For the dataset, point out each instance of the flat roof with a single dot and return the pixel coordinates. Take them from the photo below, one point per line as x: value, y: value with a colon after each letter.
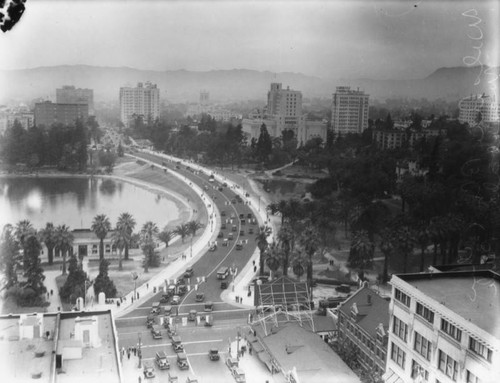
x: 23, y: 357
x: 293, y: 346
x: 474, y: 295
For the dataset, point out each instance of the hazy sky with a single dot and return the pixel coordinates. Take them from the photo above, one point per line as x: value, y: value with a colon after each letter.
x: 330, y: 39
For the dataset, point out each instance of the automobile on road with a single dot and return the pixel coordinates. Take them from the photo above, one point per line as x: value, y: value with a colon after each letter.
x: 192, y: 315
x: 225, y: 242
x: 177, y: 344
x: 172, y: 378
x: 209, y: 306
x: 213, y: 354
x: 238, y: 375
x: 222, y: 273
x: 209, y: 321
x: 189, y: 272
x: 231, y: 362
x: 200, y: 297
x: 176, y: 300
x: 167, y: 310
x: 162, y: 361
x: 182, y: 362
x: 156, y: 308
x: 155, y: 331
x: 148, y: 370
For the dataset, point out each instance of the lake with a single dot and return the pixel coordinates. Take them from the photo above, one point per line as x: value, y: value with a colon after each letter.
x: 76, y: 201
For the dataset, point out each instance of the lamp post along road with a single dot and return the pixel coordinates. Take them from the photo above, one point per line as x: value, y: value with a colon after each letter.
x: 134, y: 277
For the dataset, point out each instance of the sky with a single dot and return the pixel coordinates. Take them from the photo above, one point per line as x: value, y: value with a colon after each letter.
x: 328, y: 38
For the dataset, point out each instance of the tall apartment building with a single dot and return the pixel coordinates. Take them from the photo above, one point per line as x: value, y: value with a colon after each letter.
x: 143, y: 100
x: 204, y: 97
x: 48, y: 113
x: 349, y: 110
x: 363, y: 321
x: 68, y: 94
x: 444, y: 328
x: 470, y: 107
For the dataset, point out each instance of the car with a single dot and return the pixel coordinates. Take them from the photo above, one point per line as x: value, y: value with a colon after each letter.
x: 155, y: 308
x: 171, y: 332
x: 189, y: 272
x: 209, y: 306
x: 250, y: 230
x: 224, y: 184
x: 167, y: 310
x: 230, y: 236
x: 233, y: 201
x: 155, y: 331
x: 343, y: 289
x: 233, y: 216
x: 212, y: 247
x: 181, y: 289
x: 242, y: 216
x: 234, y: 228
x: 232, y: 362
x: 162, y: 361
x: 220, y: 188
x: 200, y: 297
x: 213, y: 354
x: 176, y: 300
x: 182, y: 362
x: 249, y: 215
x: 225, y: 242
x: 177, y: 344
x: 149, y: 371
x: 239, y: 245
x: 164, y: 298
x: 172, y: 378
x: 223, y: 213
x: 150, y: 321
x: 238, y: 375
x: 223, y: 285
x: 171, y: 290
x: 243, y: 222
x: 192, y: 315
x: 221, y: 235
x: 223, y: 226
x: 223, y: 272
x: 242, y: 232
x: 209, y: 321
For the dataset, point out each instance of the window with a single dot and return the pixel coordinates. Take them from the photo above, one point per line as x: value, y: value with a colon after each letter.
x: 471, y: 378
x: 451, y: 330
x: 425, y: 313
x: 398, y: 355
x: 448, y: 366
x: 480, y: 349
x: 402, y: 297
x: 422, y: 346
x: 399, y: 328
x: 417, y: 370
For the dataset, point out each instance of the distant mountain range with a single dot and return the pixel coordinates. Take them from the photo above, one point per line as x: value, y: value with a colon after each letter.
x: 450, y: 84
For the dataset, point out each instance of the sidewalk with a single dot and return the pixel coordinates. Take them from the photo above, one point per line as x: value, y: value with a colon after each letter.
x: 50, y: 284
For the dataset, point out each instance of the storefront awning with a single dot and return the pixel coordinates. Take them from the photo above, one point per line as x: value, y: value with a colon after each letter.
x: 391, y: 377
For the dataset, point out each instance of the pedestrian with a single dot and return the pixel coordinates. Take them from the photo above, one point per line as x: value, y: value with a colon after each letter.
x: 250, y: 350
x: 128, y: 354
x: 255, y: 269
x: 236, y: 299
x: 249, y: 293
x: 138, y: 295
x: 51, y: 292
x: 253, y: 262
x: 147, y: 286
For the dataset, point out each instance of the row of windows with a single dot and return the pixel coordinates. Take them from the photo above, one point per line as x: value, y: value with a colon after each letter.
x: 398, y: 355
x: 451, y: 330
x: 425, y: 313
x: 402, y: 297
x: 448, y: 365
x: 422, y: 346
x: 400, y: 328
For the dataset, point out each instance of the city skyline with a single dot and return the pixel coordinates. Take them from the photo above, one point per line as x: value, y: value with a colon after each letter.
x: 327, y: 39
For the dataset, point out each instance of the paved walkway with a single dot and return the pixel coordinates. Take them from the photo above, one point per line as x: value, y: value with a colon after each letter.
x: 50, y: 284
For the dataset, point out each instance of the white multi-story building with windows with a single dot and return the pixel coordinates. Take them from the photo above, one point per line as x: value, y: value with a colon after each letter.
x: 471, y: 107
x: 444, y: 327
x: 349, y: 111
x: 143, y: 101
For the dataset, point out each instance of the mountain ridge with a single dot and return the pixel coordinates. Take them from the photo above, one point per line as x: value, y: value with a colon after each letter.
x: 225, y: 85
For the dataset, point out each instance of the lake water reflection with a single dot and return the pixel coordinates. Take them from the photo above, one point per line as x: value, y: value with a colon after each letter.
x: 76, y: 201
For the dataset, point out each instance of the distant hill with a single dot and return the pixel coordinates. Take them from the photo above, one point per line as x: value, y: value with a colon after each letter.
x: 229, y: 85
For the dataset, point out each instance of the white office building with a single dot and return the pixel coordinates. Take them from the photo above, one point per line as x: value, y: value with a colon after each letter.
x: 349, y: 111
x: 444, y: 328
x: 142, y: 101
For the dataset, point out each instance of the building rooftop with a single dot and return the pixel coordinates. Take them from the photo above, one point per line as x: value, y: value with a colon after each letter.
x: 54, y: 347
x: 313, y: 359
x: 371, y: 311
x: 474, y: 295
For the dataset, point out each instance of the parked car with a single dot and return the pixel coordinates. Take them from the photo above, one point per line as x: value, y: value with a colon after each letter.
x: 167, y: 310
x: 223, y: 226
x: 225, y: 242
x: 238, y: 375
x: 182, y: 362
x: 234, y: 228
x: 172, y: 378
x: 181, y: 289
x: 213, y: 354
x: 230, y: 236
x: 164, y: 298
x: 149, y: 371
x: 250, y: 230
x: 162, y: 361
x: 242, y: 216
x: 223, y: 272
x: 189, y: 272
x: 200, y: 297
x: 209, y: 321
x: 232, y: 362
x: 249, y: 215
x: 242, y: 232
x: 212, y: 247
x: 220, y: 235
x: 239, y: 245
x: 223, y: 213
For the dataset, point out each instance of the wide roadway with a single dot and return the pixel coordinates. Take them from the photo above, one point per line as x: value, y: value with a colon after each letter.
x: 199, y: 339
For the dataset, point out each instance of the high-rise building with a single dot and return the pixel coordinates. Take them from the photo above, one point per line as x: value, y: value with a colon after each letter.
x: 349, y: 110
x: 68, y: 94
x: 48, y: 113
x: 285, y: 106
x: 444, y: 327
x: 204, y: 97
x: 472, y: 107
x: 143, y: 101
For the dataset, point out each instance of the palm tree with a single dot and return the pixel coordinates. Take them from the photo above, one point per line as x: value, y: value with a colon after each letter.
x: 148, y: 233
x: 183, y: 231
x: 126, y: 224
x: 119, y: 240
x: 23, y: 230
x: 64, y: 242
x: 274, y: 256
x: 166, y: 236
x: 193, y: 227
x: 261, y: 238
x: 361, y: 254
x: 286, y: 237
x: 386, y: 246
x: 47, y: 236
x: 101, y: 226
x: 309, y: 242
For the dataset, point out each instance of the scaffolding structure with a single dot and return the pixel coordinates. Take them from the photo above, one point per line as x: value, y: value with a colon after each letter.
x: 282, y: 297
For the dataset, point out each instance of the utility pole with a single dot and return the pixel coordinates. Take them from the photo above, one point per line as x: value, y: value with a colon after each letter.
x: 139, y: 350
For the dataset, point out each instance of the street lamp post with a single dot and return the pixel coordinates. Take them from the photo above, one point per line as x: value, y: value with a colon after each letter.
x: 139, y: 350
x: 134, y: 277
x: 238, y: 344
